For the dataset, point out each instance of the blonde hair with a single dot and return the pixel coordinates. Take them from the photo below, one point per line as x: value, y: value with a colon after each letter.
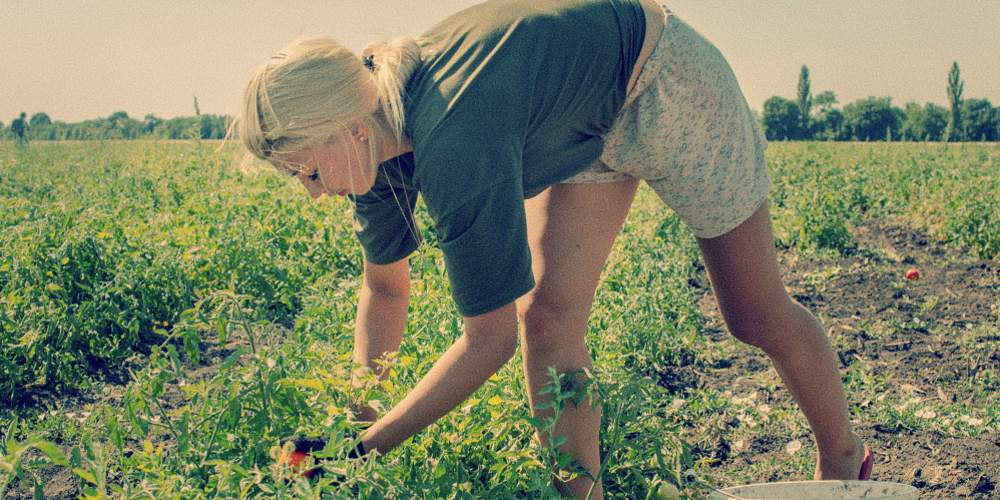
x: 315, y: 89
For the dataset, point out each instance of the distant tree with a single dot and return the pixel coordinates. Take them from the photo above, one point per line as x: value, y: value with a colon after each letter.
x: 117, y: 126
x: 935, y: 122
x: 923, y: 123
x: 826, y: 100
x: 39, y: 119
x: 979, y: 120
x: 996, y: 111
x: 805, y: 101
x: 197, y: 110
x: 955, y: 87
x: 829, y: 125
x: 120, y: 126
x: 827, y: 122
x: 150, y: 122
x: 182, y: 127
x: 872, y: 118
x: 781, y: 119
x: 913, y: 123
x: 212, y: 127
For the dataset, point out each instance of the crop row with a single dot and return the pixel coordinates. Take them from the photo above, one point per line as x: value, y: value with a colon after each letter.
x: 104, y: 245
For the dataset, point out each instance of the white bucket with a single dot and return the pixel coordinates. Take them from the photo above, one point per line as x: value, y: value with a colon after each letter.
x: 820, y: 490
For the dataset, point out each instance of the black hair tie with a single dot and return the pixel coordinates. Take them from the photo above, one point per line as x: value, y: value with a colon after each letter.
x: 369, y: 62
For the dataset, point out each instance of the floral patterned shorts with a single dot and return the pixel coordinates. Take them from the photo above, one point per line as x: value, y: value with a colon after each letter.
x: 686, y: 130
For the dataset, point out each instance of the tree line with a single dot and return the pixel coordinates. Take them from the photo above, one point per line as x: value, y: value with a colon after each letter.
x: 120, y: 126
x: 806, y: 118
x: 876, y: 119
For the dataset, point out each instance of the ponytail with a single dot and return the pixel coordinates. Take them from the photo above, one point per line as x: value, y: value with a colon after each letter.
x: 392, y: 63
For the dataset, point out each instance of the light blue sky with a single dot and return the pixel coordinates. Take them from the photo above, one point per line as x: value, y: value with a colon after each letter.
x: 79, y: 59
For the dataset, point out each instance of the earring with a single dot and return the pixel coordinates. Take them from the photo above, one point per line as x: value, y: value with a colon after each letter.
x: 363, y: 139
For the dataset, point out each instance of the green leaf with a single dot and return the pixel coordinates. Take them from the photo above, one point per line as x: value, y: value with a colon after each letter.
x: 175, y: 360
x: 311, y: 383
x: 440, y: 471
x: 85, y: 475
x: 220, y: 328
x: 232, y: 359
x: 191, y: 345
x: 116, y: 435
x: 53, y: 452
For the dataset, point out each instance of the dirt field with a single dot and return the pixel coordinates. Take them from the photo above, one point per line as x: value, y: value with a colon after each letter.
x: 927, y: 356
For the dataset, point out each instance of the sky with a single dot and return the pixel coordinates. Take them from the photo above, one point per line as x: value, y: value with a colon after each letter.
x: 83, y: 59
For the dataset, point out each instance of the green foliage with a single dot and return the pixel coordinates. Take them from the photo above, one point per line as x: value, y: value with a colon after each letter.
x: 868, y: 119
x: 92, y: 269
x: 39, y: 119
x: 120, y: 126
x: 782, y: 119
x: 805, y: 99
x: 242, y: 293
x: 875, y: 118
x: 924, y: 123
x: 980, y: 120
x: 955, y: 88
x: 819, y: 192
x: 171, y: 239
x: 828, y: 125
x: 826, y: 100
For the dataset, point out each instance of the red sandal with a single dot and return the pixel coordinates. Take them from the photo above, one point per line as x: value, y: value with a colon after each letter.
x: 866, y: 466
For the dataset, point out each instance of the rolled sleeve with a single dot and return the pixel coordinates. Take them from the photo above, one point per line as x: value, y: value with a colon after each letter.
x: 485, y: 247
x: 384, y: 216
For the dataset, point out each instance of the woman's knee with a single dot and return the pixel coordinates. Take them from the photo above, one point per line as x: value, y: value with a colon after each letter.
x: 552, y: 319
x: 775, y: 326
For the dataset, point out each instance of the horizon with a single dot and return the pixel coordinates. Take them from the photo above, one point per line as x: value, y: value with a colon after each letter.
x: 155, y: 57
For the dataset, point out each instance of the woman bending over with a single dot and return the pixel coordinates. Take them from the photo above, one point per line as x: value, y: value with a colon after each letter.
x: 526, y: 126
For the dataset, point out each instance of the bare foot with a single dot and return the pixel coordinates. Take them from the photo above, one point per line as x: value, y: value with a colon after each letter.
x: 841, y: 464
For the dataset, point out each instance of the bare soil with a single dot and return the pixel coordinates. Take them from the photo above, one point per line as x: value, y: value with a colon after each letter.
x: 59, y: 482
x: 924, y: 352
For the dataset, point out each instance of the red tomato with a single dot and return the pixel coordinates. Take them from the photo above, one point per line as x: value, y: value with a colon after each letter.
x: 912, y: 273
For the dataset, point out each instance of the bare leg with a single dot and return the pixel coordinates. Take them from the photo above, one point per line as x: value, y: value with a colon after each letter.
x: 571, y: 228
x: 743, y: 269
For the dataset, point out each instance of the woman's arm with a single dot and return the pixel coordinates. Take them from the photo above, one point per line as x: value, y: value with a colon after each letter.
x: 487, y: 343
x: 381, y: 319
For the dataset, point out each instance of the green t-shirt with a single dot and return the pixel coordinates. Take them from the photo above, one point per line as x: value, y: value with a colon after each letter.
x: 511, y: 96
x: 17, y: 126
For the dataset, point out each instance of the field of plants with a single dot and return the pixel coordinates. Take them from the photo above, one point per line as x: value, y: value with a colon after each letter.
x: 166, y: 317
